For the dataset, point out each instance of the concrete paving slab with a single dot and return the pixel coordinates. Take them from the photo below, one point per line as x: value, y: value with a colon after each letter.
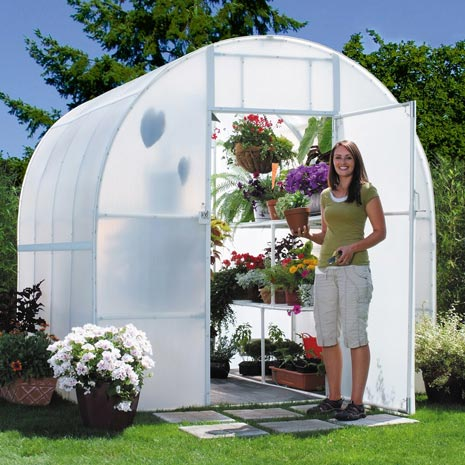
x: 192, y: 417
x: 223, y: 430
x: 262, y: 413
x: 382, y: 419
x: 299, y: 426
x: 304, y: 407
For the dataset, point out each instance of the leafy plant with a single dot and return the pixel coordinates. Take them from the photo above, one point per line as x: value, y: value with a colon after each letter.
x: 255, y: 277
x: 219, y: 232
x: 440, y: 352
x: 288, y: 201
x: 317, y: 128
x: 222, y: 350
x: 24, y: 356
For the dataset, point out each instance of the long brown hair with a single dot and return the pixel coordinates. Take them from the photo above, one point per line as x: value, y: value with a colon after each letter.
x: 359, y: 175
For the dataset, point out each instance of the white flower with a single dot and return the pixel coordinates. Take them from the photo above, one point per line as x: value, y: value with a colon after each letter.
x: 124, y: 406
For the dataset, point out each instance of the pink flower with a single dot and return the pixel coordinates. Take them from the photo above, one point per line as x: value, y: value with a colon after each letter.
x: 295, y: 310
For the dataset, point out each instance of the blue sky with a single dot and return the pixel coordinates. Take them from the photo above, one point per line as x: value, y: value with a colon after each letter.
x: 331, y: 23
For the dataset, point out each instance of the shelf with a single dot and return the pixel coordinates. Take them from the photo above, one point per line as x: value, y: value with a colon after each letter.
x: 249, y: 303
x: 313, y: 219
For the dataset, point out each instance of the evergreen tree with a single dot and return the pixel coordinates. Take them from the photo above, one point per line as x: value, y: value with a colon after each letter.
x: 136, y: 36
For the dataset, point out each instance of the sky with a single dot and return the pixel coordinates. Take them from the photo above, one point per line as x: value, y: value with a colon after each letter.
x: 330, y: 23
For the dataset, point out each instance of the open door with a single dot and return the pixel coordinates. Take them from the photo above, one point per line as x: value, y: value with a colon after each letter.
x: 386, y: 138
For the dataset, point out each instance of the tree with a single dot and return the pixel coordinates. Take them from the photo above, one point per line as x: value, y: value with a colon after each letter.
x: 136, y: 36
x: 433, y: 77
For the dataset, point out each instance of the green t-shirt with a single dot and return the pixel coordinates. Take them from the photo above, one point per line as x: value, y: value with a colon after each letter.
x: 345, y: 224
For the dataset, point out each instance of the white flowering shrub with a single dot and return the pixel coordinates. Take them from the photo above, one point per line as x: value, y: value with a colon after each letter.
x: 91, y: 355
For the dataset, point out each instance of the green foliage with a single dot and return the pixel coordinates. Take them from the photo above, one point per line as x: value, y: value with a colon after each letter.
x: 223, y: 349
x: 320, y: 128
x: 229, y: 202
x: 9, y: 200
x: 223, y: 289
x: 440, y: 351
x: 24, y: 356
x: 449, y: 184
x: 433, y: 77
x: 288, y: 201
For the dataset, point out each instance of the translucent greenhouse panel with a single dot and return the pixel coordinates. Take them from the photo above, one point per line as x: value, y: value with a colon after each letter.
x: 181, y: 369
x: 151, y: 266
x: 386, y: 137
x: 158, y: 159
x: 82, y: 286
x: 31, y: 186
x: 94, y: 142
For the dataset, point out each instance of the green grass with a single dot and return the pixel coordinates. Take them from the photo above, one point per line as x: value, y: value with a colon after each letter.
x: 54, y: 435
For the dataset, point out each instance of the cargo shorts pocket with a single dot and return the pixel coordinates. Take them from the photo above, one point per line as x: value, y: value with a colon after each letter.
x: 361, y: 279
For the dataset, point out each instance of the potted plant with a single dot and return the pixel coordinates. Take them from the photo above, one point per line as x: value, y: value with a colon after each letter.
x: 290, y: 272
x: 25, y: 375
x: 221, y: 351
x: 296, y: 369
x: 107, y: 367
x: 255, y: 144
x: 440, y: 356
x: 310, y: 181
x: 294, y: 207
x: 250, y: 348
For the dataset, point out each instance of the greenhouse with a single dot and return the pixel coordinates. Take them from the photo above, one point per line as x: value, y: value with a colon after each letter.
x: 116, y: 204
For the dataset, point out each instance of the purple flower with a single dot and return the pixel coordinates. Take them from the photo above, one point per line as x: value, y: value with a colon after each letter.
x: 307, y: 179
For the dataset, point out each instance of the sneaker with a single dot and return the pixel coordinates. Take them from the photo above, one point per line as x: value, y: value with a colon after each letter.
x: 351, y: 413
x: 326, y: 406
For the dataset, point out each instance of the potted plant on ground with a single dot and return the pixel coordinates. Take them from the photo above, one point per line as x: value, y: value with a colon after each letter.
x: 25, y: 375
x: 221, y: 351
x: 250, y: 348
x: 255, y: 145
x: 296, y: 368
x: 107, y: 367
x: 440, y: 356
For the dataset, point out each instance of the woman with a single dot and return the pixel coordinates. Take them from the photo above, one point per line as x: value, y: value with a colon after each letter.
x: 343, y: 285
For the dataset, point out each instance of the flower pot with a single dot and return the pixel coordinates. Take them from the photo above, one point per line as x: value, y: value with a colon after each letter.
x: 271, y: 204
x: 279, y: 296
x: 261, y: 212
x: 250, y: 159
x: 219, y: 369
x: 97, y: 409
x: 292, y: 298
x: 294, y: 379
x: 253, y: 368
x: 35, y: 391
x: 297, y: 218
x: 314, y: 204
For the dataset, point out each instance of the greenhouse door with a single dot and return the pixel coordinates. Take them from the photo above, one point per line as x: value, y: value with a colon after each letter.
x: 386, y: 138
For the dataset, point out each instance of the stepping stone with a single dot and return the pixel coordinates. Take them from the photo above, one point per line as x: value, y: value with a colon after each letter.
x: 299, y: 426
x: 223, y: 430
x: 382, y: 419
x: 303, y: 408
x: 192, y: 417
x: 262, y: 413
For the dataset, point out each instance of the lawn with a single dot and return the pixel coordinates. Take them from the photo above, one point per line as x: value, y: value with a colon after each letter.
x: 54, y: 436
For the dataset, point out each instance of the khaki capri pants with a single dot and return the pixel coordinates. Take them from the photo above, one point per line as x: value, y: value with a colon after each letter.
x: 342, y: 298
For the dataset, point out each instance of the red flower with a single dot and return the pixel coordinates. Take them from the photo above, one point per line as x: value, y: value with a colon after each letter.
x: 16, y: 366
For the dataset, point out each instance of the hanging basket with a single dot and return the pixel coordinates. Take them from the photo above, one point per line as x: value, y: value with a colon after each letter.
x: 251, y: 160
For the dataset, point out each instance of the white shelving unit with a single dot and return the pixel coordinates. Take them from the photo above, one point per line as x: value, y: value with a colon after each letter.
x: 314, y: 220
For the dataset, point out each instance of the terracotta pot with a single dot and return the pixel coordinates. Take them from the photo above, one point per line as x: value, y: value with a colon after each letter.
x: 35, y: 391
x: 271, y: 204
x: 294, y: 379
x: 97, y: 409
x: 251, y: 160
x: 297, y: 218
x: 279, y: 296
x: 292, y: 298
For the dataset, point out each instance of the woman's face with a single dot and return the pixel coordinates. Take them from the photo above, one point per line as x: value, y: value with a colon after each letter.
x: 343, y: 162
